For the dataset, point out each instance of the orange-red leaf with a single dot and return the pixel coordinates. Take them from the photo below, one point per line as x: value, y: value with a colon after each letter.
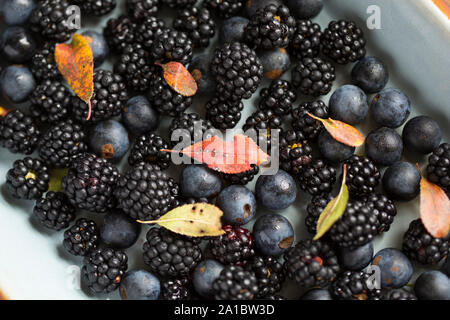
x: 342, y: 132
x: 231, y: 157
x: 179, y: 78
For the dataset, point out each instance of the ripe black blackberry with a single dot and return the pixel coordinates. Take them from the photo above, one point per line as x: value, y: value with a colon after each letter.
x: 223, y: 114
x: 172, y: 45
x: 270, y: 27
x: 28, y: 179
x: 306, y: 40
x: 311, y: 263
x: 295, y: 152
x: 270, y: 275
x: 140, y: 9
x: 191, y: 126
x: 197, y: 23
x: 384, y: 209
x: 343, y: 42
x: 43, y: 65
x: 354, y: 285
x: 147, y: 148
x: 179, y: 4
x: 234, y: 247
x: 241, y: 178
x: 50, y: 19
x: 110, y: 95
x: 169, y: 254
x: 224, y: 9
x: 120, y: 32
x: 50, y: 101
x: 103, y: 269
x: 419, y: 245
x: 235, y: 283
x: 96, y: 7
x: 238, y: 71
x: 279, y: 97
x: 304, y: 123
x: 176, y: 289
x: 261, y: 125
x: 62, y: 143
x: 81, y: 238
x: 400, y: 295
x: 90, y: 183
x: 313, y: 76
x: 19, y: 133
x: 54, y: 211
x: 362, y: 176
x: 135, y: 66
x: 147, y: 30
x: 314, y: 209
x: 317, y: 178
x: 438, y: 169
x: 145, y: 192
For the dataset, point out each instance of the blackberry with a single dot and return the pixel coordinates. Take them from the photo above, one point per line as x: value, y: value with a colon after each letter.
x: 400, y: 295
x: 266, y: 121
x: 147, y: 148
x: 313, y: 76
x: 438, y: 169
x: 169, y: 254
x: 384, y: 209
x: 148, y: 30
x: 238, y: 71
x: 311, y: 263
x: 145, y: 192
x: 110, y: 95
x: 176, y: 289
x: 193, y: 126
x: 419, y: 245
x: 275, y: 297
x: 234, y: 247
x: 304, y: 123
x: 343, y: 42
x: 270, y: 27
x: 140, y: 9
x: 43, y: 65
x: 295, y: 152
x: 305, y: 42
x: 50, y: 19
x: 135, y: 67
x: 172, y: 45
x: 354, y: 285
x: 362, y: 176
x: 270, y: 275
x: 120, y: 32
x: 317, y: 177
x: 235, y: 283
x: 241, y: 178
x: 90, y: 183
x: 96, y: 7
x: 179, y: 4
x: 54, y: 211
x: 81, y: 238
x: 103, y: 269
x: 18, y: 133
x: 223, y: 114
x: 279, y: 97
x: 50, y: 101
x: 314, y: 209
x: 198, y: 24
x: 62, y: 143
x: 224, y: 9
x: 27, y: 179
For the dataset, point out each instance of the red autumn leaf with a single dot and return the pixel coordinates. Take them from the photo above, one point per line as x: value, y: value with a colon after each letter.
x: 230, y: 157
x: 179, y: 78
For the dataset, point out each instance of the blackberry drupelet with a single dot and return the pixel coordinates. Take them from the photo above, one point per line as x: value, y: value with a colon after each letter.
x: 120, y: 32
x: 179, y: 4
x: 172, y: 45
x: 27, y: 179
x: 238, y: 71
x: 400, y: 295
x: 234, y: 247
x: 190, y: 122
x: 90, y: 183
x: 81, y: 238
x: 295, y: 152
x: 384, y: 209
x: 362, y: 176
x: 140, y: 9
x: 145, y: 192
x: 147, y: 148
x: 279, y: 97
x: 264, y: 120
x: 176, y: 289
x: 50, y: 101
x: 317, y: 178
x: 148, y: 29
x: 304, y: 123
x: 311, y: 263
x: 343, y: 42
x: 18, y: 133
x: 54, y: 211
x: 438, y: 169
x: 314, y: 209
x: 43, y: 65
x: 354, y: 285
x: 270, y: 27
x: 223, y: 114
x: 235, y: 283
x: 169, y: 254
x: 313, y: 76
x: 419, y: 245
x: 270, y: 275
x: 198, y: 25
x: 306, y: 40
x: 103, y: 269
x: 96, y: 7
x: 110, y: 95
x: 241, y: 178
x: 224, y: 9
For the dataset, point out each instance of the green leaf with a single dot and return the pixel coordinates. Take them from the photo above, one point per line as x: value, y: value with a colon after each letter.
x: 56, y: 176
x: 334, y: 209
